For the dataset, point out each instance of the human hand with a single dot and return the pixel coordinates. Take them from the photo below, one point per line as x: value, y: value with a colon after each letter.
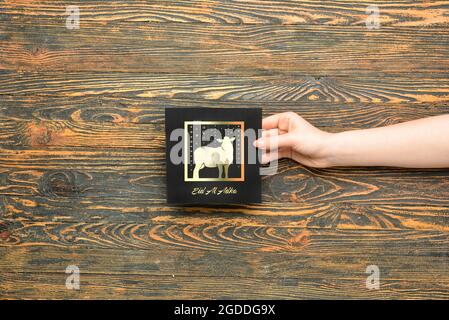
x: 293, y: 137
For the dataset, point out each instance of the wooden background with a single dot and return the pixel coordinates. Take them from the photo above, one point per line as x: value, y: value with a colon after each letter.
x: 82, y: 164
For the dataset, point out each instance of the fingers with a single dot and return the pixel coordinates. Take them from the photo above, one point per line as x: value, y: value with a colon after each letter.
x: 276, y: 131
x: 275, y: 155
x: 272, y: 132
x: 274, y: 142
x: 279, y: 120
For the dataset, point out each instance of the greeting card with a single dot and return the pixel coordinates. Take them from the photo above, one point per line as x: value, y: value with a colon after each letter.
x: 210, y: 155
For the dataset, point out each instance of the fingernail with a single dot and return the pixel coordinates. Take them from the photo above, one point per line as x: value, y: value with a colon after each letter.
x: 259, y: 143
x: 265, y: 158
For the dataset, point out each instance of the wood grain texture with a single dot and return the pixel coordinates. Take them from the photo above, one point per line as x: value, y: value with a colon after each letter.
x: 310, y: 12
x: 133, y: 126
x: 295, y: 89
x: 315, y: 215
x: 129, y: 286
x: 82, y: 160
x: 195, y: 272
x: 224, y: 263
x: 239, y: 230
x: 222, y: 49
x: 136, y: 174
x: 120, y: 109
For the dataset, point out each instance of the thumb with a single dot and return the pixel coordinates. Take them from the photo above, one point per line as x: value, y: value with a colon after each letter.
x: 274, y: 142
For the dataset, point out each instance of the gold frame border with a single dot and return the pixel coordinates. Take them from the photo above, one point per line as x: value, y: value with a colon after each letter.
x: 242, y: 150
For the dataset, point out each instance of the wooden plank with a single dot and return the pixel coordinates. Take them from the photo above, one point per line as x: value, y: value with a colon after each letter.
x: 31, y: 271
x: 139, y: 174
x: 111, y: 110
x: 74, y: 134
x: 222, y: 49
x: 308, y: 264
x: 121, y: 89
x: 354, y: 215
x: 141, y: 126
x: 26, y: 286
x: 422, y: 232
x: 310, y: 12
x: 290, y: 257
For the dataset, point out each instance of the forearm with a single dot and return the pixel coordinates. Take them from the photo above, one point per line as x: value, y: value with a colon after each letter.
x: 420, y: 143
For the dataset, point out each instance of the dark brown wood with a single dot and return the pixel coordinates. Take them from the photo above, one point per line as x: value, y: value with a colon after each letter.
x: 392, y: 89
x: 311, y: 12
x: 82, y: 161
x: 221, y: 273
x: 221, y: 49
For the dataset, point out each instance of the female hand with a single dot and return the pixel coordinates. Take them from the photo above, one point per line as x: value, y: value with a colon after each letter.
x: 419, y: 143
x: 287, y: 135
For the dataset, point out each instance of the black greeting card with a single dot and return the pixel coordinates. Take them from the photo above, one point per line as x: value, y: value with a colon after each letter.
x: 210, y: 155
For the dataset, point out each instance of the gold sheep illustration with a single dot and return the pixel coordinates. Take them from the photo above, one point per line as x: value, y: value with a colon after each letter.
x: 220, y: 157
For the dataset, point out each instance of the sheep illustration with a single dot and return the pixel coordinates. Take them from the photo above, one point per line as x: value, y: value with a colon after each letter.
x: 220, y: 157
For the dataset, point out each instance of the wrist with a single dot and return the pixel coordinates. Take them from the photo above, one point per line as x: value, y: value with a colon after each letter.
x: 337, y: 150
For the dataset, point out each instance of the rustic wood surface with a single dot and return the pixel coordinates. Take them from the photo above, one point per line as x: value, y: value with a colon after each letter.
x: 82, y: 162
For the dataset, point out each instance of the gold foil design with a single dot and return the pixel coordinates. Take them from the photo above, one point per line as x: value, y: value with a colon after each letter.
x: 220, y: 157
